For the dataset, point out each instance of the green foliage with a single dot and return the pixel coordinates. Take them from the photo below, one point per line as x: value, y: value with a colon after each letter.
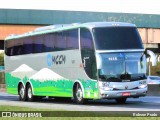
x: 2, y: 59
x: 155, y: 70
x: 2, y: 81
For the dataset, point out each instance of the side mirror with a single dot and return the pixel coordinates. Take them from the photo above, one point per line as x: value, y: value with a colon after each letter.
x: 152, y: 56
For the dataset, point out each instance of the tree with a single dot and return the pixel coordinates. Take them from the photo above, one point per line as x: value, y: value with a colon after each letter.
x: 2, y: 59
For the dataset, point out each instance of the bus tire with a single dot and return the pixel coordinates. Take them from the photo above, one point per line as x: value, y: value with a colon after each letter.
x: 78, y: 94
x: 121, y: 100
x: 29, y: 93
x: 22, y: 93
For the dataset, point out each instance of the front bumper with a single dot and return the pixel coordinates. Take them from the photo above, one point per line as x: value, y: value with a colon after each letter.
x: 123, y: 93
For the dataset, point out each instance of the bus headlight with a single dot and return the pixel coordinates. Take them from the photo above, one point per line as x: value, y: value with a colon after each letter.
x: 142, y: 84
x: 105, y: 86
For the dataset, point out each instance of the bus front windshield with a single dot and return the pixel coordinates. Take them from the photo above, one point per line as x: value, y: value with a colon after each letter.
x: 118, y: 65
x: 117, y: 38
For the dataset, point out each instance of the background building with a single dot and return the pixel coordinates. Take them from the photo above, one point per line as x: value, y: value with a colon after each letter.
x: 18, y: 21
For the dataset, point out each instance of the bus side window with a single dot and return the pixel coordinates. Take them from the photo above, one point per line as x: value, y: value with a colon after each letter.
x: 38, y: 44
x: 27, y: 42
x: 59, y: 41
x: 19, y: 46
x: 48, y: 42
x: 9, y: 48
x: 88, y: 53
x: 72, y: 39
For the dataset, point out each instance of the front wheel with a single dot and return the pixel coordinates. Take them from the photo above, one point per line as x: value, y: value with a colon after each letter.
x: 121, y: 100
x: 78, y: 94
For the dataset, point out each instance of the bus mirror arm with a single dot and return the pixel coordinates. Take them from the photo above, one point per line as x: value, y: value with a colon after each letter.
x: 151, y: 54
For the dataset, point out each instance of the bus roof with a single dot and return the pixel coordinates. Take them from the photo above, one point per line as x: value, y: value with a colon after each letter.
x: 61, y: 27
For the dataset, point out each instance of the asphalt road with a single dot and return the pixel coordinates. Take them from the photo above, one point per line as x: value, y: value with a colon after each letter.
x: 148, y: 103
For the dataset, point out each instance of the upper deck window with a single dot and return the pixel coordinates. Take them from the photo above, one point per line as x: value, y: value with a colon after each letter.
x: 115, y: 38
x: 56, y: 41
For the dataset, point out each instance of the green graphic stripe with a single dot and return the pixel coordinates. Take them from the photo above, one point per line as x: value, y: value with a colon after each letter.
x: 61, y: 88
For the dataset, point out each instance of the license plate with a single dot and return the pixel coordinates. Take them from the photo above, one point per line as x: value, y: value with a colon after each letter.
x: 126, y: 94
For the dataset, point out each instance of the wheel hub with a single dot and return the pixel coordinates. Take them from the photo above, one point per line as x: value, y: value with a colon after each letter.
x: 79, y: 94
x: 29, y: 93
x: 21, y: 92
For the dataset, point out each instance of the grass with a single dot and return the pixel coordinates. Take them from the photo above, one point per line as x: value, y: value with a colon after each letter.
x: 155, y: 70
x: 48, y: 112
x: 17, y: 108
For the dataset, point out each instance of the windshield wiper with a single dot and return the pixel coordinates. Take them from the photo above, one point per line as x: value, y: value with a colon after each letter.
x: 125, y: 76
x: 113, y: 79
x: 109, y: 78
x: 138, y: 77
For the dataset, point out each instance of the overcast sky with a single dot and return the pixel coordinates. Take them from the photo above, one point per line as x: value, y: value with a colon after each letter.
x: 120, y: 6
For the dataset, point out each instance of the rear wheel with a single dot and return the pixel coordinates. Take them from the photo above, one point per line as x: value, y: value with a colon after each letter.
x: 78, y: 94
x: 121, y: 100
x: 21, y: 92
x: 30, y: 96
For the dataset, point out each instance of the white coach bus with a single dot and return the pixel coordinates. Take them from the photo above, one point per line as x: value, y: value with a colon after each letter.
x: 97, y: 60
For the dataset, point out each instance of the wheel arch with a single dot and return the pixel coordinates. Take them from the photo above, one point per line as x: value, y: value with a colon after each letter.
x: 74, y: 85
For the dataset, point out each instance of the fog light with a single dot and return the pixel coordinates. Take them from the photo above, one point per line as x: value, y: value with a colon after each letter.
x: 142, y: 86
